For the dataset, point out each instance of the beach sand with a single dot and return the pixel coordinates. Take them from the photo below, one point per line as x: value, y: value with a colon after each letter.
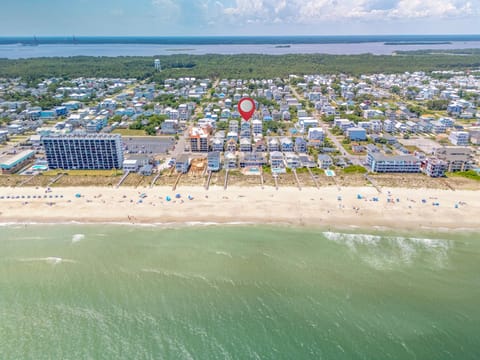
x: 398, y: 208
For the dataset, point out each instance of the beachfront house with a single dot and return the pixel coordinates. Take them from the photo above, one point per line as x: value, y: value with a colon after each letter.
x: 230, y: 161
x: 182, y: 163
x: 252, y: 159
x: 324, y: 161
x: 277, y: 160
x: 213, y: 161
x: 131, y: 165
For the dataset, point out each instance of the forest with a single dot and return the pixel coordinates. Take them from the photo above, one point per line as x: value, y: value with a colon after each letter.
x: 246, y: 66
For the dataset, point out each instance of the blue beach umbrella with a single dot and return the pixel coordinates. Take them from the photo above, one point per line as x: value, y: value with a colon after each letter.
x: 168, y: 198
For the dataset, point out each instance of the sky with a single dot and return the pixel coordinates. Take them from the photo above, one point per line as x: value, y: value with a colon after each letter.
x: 237, y: 17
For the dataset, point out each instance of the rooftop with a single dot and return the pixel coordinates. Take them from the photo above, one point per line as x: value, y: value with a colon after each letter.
x: 9, y: 161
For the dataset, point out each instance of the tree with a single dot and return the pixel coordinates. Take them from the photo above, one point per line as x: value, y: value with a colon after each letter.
x: 395, y: 89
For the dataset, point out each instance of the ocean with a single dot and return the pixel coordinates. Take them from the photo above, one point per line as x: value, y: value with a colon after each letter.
x: 237, y: 292
x: 32, y: 47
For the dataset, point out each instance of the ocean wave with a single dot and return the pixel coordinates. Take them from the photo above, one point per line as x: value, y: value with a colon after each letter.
x: 77, y: 238
x: 224, y: 253
x: 387, y: 252
x: 191, y: 277
x: 52, y: 260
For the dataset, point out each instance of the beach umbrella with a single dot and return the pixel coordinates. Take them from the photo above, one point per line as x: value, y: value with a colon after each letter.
x: 78, y: 195
x: 190, y: 197
x: 178, y: 196
x: 168, y: 198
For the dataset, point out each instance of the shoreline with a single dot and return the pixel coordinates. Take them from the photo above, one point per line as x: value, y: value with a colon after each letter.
x: 347, y: 229
x: 327, y: 207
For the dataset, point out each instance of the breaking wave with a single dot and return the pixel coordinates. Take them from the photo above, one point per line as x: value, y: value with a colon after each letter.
x: 77, y: 238
x: 387, y: 252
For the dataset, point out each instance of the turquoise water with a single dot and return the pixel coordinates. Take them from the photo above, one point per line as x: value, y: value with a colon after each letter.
x: 237, y: 292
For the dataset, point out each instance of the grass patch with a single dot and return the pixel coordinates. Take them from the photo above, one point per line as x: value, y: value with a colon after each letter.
x: 84, y: 172
x: 411, y: 148
x: 129, y: 132
x: 470, y: 174
x: 354, y: 169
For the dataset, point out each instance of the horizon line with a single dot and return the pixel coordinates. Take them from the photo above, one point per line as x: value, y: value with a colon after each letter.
x: 252, y: 36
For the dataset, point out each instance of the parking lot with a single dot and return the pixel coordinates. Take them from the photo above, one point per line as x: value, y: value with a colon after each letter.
x: 425, y: 145
x: 148, y: 144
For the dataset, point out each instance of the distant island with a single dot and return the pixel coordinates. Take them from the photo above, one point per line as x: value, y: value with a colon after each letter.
x: 282, y: 46
x: 418, y: 43
x: 180, y: 49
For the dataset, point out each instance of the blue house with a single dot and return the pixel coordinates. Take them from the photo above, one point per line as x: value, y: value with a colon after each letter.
x: 61, y: 111
x: 300, y: 145
x: 357, y: 134
x: 48, y: 114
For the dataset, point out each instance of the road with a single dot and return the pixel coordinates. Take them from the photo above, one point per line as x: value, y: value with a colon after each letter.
x: 355, y: 159
x: 182, y: 141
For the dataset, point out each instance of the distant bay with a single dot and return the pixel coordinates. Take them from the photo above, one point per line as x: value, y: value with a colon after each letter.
x: 34, y: 47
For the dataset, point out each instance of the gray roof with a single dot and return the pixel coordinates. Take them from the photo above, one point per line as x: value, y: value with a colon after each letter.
x: 382, y: 157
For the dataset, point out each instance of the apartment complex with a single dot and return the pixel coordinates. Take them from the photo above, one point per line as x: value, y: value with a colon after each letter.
x: 199, y: 139
x: 92, y: 151
x: 435, y: 167
x: 459, y: 138
x: 457, y: 158
x: 394, y: 164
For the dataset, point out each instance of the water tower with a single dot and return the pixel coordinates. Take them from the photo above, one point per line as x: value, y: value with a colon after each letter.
x: 157, y: 65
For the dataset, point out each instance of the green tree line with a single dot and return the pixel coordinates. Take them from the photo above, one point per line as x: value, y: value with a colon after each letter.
x: 246, y: 66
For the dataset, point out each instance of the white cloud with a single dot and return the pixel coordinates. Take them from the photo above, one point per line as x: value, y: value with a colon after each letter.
x: 431, y: 8
x: 316, y: 11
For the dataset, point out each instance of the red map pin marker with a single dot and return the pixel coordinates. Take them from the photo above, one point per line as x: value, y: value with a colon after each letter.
x: 246, y: 108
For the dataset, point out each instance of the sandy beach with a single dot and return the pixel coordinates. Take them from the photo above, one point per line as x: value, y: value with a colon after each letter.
x: 399, y: 208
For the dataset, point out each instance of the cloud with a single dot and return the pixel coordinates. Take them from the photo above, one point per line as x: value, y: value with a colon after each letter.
x: 317, y: 11
x: 187, y: 12
x: 432, y: 8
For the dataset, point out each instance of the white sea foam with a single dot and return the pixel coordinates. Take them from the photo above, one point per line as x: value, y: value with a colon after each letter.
x: 52, y: 260
x: 386, y: 252
x: 224, y: 253
x: 184, y: 276
x: 77, y: 238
